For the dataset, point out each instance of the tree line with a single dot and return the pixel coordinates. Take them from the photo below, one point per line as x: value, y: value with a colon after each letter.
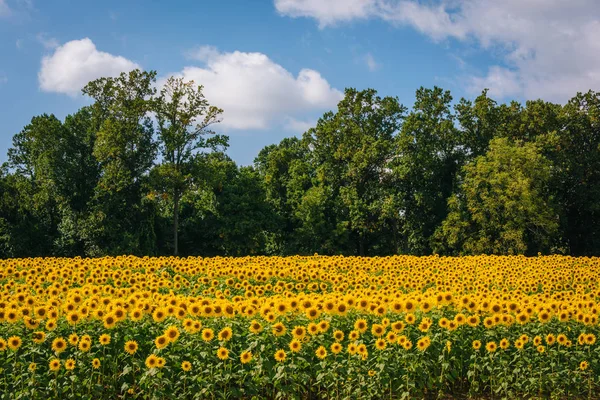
x: 141, y: 171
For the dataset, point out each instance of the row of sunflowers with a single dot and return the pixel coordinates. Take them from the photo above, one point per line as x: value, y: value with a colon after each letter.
x: 299, y: 327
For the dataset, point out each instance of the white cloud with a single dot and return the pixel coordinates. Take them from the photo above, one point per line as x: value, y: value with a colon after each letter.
x: 547, y: 48
x: 76, y: 63
x: 327, y: 12
x: 254, y: 91
x: 501, y: 82
x: 297, y: 125
x: 371, y: 63
x: 3, y: 78
x: 4, y: 9
x: 46, y: 41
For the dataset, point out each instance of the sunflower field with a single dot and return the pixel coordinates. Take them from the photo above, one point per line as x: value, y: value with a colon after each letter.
x: 302, y: 327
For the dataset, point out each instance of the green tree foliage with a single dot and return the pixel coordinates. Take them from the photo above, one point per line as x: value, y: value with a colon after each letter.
x: 140, y: 171
x: 120, y: 221
x: 575, y: 152
x: 184, y: 118
x: 504, y: 205
x: 429, y: 155
x: 351, y: 153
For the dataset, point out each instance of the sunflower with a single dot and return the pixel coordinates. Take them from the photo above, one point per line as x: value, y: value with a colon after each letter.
x: 50, y: 325
x: 14, y: 342
x: 338, y: 335
x: 39, y: 337
x: 313, y: 328
x: 371, y: 373
x: 207, y: 334
x: 423, y: 343
x: 544, y: 317
x: 473, y: 320
x: 31, y: 323
x: 85, y: 345
x: 561, y: 339
x: 280, y: 356
x: 278, y: 329
x: 550, y: 339
x: 491, y: 347
x: 110, y: 321
x: 377, y: 330
x: 321, y: 352
x: 590, y: 339
x: 380, y: 344
x: 362, y: 349
x: 54, y: 364
x: 541, y: 349
x: 352, y: 349
x: 225, y: 334
x: 172, y: 334
x: 336, y: 348
x: 443, y: 322
x: 397, y: 326
x: 136, y: 315
x: 255, y: 327
x: 3, y: 344
x: 522, y: 318
x: 312, y: 313
x: 361, y: 325
x: 32, y: 367
x: 186, y: 366
x: 392, y: 337
x: 151, y: 361
x: 476, y: 344
x: 295, y: 346
x: 95, y: 363
x: 583, y: 365
x: 223, y: 353
x: 353, y: 335
x: 160, y: 362
x: 73, y: 317
x: 131, y: 346
x: 504, y: 344
x: 246, y: 357
x: 73, y: 339
x: 159, y: 315
x: 104, y: 339
x: 59, y: 345
x: 70, y: 364
x: 324, y: 326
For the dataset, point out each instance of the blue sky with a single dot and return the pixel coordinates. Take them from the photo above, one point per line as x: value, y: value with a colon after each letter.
x: 275, y: 66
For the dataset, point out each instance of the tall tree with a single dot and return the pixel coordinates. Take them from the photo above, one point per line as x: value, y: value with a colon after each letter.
x: 430, y: 151
x: 504, y: 205
x: 575, y: 151
x: 286, y: 175
x: 120, y: 219
x: 184, y: 119
x: 351, y: 151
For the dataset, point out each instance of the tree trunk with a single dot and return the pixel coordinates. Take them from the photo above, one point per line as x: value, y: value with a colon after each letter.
x: 176, y: 222
x: 361, y: 245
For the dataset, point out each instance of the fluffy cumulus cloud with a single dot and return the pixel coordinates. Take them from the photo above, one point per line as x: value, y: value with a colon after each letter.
x: 546, y: 48
x: 255, y: 92
x: 71, y: 66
